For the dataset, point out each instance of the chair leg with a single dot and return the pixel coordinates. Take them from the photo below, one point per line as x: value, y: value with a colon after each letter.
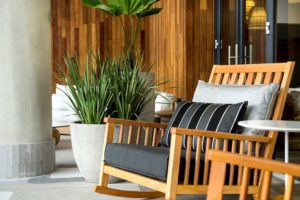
x: 255, y: 197
x: 103, y: 180
x: 171, y: 190
x: 173, y: 168
x: 171, y: 193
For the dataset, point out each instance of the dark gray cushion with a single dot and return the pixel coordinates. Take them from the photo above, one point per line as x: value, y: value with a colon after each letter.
x: 153, y: 162
x: 145, y: 160
x: 149, y: 161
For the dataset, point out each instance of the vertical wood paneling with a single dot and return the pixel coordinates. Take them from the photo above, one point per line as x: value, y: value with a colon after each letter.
x: 77, y: 29
x: 166, y: 46
x: 199, y: 40
x: 178, y: 42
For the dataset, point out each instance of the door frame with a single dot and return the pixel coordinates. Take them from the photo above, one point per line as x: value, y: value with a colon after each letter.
x: 271, y: 38
x: 271, y: 8
x: 240, y: 24
x: 218, y: 32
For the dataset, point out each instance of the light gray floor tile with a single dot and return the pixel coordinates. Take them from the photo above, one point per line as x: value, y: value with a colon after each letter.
x: 5, y: 195
x: 66, y: 183
x: 66, y: 172
x: 58, y: 191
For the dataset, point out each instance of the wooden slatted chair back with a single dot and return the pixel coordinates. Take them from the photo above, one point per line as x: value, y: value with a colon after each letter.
x: 254, y: 74
x: 220, y: 161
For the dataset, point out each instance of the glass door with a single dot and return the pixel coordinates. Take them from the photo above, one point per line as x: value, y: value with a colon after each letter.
x: 243, y: 31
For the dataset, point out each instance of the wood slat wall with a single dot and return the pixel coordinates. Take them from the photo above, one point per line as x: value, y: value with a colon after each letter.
x: 76, y: 29
x: 178, y: 42
x: 200, y: 42
x: 166, y: 45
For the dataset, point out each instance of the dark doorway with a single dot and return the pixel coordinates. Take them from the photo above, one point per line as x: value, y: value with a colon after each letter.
x: 244, y: 31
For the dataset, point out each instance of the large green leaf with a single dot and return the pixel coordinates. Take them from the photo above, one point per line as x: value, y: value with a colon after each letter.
x: 91, y: 3
x: 139, y: 8
x: 111, y: 10
x: 150, y: 11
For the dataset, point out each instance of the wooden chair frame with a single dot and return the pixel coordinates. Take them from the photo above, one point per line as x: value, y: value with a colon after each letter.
x: 148, y: 133
x: 218, y: 172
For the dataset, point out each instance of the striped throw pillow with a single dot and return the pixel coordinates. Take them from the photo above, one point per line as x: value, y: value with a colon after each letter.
x: 204, y: 116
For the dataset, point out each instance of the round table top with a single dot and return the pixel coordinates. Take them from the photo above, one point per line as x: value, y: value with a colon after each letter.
x: 272, y: 125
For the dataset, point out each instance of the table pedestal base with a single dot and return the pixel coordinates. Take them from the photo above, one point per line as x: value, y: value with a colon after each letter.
x: 286, y: 152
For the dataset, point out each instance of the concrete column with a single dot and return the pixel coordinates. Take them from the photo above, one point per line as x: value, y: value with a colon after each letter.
x: 26, y: 144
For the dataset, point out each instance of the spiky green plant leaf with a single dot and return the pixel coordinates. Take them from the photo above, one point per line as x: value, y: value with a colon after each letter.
x: 88, y: 93
x: 132, y: 88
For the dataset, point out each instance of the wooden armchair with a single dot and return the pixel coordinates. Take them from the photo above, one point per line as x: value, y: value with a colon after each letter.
x: 218, y: 173
x: 192, y: 165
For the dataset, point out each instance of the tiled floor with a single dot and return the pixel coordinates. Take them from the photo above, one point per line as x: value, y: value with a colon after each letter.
x: 66, y: 183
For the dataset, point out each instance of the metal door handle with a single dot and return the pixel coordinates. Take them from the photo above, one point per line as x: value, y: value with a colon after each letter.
x: 236, y: 54
x: 268, y: 28
x: 250, y: 54
x: 245, y: 51
x: 216, y: 44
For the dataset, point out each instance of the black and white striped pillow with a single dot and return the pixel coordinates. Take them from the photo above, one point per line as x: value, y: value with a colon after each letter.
x: 205, y: 116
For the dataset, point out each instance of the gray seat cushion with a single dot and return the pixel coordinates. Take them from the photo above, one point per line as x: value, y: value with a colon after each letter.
x: 148, y: 161
x: 261, y: 99
x: 145, y: 160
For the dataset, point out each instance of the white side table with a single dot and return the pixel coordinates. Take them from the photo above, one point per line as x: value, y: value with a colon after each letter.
x: 58, y: 128
x: 272, y: 125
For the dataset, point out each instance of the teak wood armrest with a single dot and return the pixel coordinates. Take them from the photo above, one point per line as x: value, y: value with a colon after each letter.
x: 252, y: 162
x: 134, y: 123
x: 138, y: 132
x: 220, y: 135
x: 221, y: 160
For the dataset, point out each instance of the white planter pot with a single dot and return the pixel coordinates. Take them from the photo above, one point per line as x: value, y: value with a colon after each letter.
x: 87, y: 144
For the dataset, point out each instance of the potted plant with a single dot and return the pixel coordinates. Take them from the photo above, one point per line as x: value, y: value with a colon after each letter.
x: 106, y: 87
x: 132, y: 83
x: 90, y: 98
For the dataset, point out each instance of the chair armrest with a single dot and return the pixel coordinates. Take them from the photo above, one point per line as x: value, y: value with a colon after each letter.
x: 135, y: 132
x: 220, y: 135
x: 134, y: 123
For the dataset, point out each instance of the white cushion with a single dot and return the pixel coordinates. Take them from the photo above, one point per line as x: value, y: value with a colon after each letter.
x: 261, y: 98
x: 60, y: 102
x: 64, y: 116
x: 61, y: 110
x: 61, y: 90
